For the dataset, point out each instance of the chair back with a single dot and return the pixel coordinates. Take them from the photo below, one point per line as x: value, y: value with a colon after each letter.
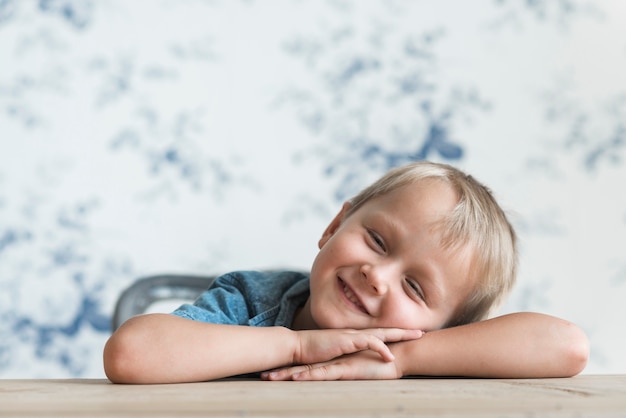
x: 148, y: 291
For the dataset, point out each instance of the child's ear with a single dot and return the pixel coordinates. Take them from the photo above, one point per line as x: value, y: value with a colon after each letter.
x: 334, y: 224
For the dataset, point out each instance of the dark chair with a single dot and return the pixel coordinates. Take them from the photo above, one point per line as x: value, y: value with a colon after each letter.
x: 147, y: 291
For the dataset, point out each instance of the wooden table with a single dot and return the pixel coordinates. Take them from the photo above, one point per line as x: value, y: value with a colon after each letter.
x: 586, y: 395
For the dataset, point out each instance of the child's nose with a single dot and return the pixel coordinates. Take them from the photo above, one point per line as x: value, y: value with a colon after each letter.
x: 377, y: 277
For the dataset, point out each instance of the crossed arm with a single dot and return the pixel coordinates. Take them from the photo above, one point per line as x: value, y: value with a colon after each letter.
x: 161, y: 348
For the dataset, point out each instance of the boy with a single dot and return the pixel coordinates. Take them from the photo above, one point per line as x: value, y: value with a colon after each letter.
x: 406, y: 273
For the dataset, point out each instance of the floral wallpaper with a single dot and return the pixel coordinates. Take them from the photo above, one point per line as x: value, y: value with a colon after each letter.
x: 202, y: 136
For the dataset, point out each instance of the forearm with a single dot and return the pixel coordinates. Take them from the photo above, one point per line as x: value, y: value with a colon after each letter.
x: 522, y: 345
x: 162, y: 348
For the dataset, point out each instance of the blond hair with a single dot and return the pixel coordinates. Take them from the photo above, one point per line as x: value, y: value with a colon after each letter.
x: 477, y: 220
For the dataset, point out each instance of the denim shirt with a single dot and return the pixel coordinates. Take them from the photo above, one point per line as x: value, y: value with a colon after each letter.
x: 254, y: 298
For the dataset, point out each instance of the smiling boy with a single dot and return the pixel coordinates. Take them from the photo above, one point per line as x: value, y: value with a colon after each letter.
x: 425, y: 248
x: 384, y: 266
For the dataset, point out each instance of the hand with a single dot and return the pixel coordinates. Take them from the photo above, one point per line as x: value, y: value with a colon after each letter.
x: 317, y: 346
x: 364, y: 365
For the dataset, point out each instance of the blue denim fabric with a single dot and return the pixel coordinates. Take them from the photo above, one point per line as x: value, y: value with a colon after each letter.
x: 254, y: 298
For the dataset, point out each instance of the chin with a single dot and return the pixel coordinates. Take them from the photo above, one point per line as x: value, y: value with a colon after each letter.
x: 327, y: 320
x: 334, y: 322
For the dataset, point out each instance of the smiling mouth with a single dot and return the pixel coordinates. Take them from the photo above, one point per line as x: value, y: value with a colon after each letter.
x: 349, y: 294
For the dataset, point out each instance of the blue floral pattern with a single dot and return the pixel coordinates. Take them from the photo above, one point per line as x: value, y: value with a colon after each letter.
x: 197, y: 136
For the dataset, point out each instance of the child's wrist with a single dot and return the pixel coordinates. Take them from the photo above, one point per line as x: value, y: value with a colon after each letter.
x: 399, y: 352
x: 294, y: 345
x: 405, y: 357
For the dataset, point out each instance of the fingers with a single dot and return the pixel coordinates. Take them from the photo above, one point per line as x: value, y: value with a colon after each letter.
x: 287, y: 373
x: 371, y: 342
x: 322, y: 345
x: 363, y: 365
x: 376, y: 339
x: 320, y: 371
x: 391, y: 335
x: 346, y: 354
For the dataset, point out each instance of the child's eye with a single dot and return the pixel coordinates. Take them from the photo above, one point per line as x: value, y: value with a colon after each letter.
x: 377, y: 240
x: 415, y: 288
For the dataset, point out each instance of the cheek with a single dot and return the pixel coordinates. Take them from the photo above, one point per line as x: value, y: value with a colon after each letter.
x: 344, y: 247
x: 323, y: 317
x: 404, y: 314
x: 324, y: 260
x: 407, y: 314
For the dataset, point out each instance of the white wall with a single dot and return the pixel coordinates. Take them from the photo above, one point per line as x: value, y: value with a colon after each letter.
x: 202, y: 136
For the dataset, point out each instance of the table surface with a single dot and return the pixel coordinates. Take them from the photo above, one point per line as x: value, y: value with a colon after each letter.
x: 585, y: 395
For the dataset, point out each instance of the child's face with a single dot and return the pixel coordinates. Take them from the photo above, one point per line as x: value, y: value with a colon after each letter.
x: 383, y: 266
